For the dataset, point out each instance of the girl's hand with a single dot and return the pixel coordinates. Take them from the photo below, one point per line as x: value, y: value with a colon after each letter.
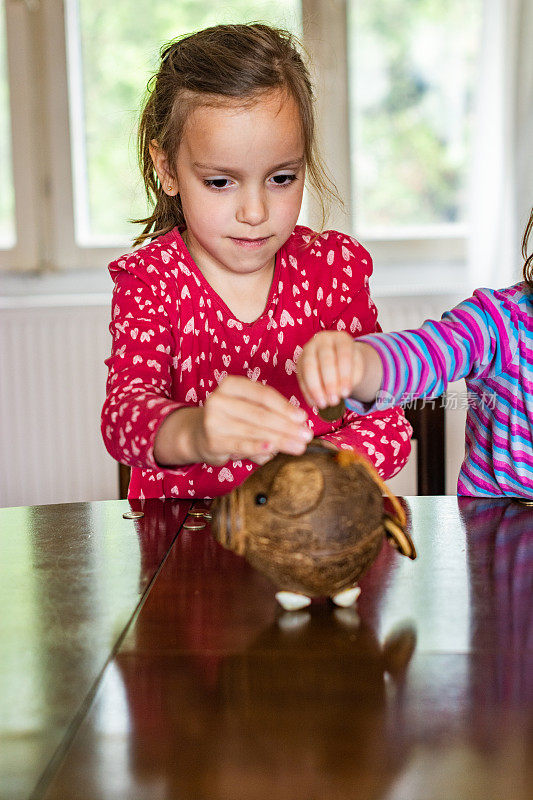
x: 333, y: 366
x: 245, y: 419
x: 240, y: 419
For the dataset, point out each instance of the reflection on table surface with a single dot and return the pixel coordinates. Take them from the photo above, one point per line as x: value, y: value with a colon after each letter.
x: 214, y: 692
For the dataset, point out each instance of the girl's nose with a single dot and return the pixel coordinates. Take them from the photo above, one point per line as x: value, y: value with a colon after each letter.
x: 252, y: 208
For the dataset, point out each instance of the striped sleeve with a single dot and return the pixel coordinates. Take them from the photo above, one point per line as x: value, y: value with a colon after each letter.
x: 475, y: 340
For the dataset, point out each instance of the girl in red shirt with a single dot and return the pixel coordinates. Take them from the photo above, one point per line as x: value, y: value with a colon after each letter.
x: 211, y: 312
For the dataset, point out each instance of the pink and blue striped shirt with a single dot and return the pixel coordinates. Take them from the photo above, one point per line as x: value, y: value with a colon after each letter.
x: 488, y: 341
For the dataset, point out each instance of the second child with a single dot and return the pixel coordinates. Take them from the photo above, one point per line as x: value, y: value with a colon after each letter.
x: 487, y: 340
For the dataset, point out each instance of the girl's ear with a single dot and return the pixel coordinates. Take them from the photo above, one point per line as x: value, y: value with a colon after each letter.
x: 169, y: 184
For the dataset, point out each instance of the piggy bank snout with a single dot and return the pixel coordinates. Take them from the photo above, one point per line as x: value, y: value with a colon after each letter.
x: 220, y: 519
x: 227, y: 521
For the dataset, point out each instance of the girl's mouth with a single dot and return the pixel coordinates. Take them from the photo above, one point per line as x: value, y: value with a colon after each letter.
x: 251, y: 244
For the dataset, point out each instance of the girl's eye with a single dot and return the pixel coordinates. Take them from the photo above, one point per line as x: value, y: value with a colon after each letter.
x: 284, y: 179
x: 217, y: 183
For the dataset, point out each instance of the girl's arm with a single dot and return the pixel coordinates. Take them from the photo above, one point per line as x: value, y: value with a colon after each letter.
x: 240, y: 419
x: 471, y: 341
x: 138, y: 389
x: 143, y: 426
x: 384, y: 436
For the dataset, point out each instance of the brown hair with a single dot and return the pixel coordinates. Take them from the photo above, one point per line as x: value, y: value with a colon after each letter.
x: 528, y: 264
x: 223, y: 63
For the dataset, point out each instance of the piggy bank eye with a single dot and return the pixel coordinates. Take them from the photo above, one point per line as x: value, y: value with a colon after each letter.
x: 260, y: 499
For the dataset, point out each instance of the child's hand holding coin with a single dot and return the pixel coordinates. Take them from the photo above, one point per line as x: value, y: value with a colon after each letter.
x: 332, y: 366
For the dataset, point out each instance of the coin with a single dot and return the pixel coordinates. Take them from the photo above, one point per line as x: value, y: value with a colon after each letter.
x: 200, y: 511
x: 133, y: 514
x: 331, y: 413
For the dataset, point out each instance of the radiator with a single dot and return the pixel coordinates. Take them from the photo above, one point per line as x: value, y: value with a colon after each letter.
x: 52, y: 383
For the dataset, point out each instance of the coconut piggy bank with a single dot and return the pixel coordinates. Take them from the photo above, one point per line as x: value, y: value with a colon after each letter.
x: 312, y: 524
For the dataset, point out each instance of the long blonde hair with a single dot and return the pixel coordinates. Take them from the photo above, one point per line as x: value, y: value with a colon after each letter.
x: 221, y: 64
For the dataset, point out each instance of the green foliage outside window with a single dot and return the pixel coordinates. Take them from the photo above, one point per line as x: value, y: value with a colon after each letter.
x: 413, y: 69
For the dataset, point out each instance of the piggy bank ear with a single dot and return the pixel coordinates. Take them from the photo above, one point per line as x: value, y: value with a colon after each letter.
x: 297, y: 488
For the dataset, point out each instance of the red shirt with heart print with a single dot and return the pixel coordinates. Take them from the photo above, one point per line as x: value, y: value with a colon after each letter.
x: 174, y: 340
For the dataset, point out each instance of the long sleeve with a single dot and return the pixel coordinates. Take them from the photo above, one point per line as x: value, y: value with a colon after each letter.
x: 471, y: 341
x: 139, y: 379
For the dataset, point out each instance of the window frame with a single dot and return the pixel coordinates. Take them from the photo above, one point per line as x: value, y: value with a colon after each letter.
x: 42, y: 122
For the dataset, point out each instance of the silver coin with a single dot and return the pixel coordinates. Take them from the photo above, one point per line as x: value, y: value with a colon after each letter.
x: 133, y: 514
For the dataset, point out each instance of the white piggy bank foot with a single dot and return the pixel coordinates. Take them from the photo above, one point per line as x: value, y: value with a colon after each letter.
x: 291, y: 621
x: 347, y: 617
x: 292, y: 601
x: 347, y: 598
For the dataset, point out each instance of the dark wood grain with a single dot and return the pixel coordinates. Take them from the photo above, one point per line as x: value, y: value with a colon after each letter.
x: 215, y: 693
x: 428, y: 419
x: 72, y: 578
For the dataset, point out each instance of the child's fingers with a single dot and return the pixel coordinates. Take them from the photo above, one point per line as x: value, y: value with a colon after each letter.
x: 245, y: 441
x: 238, y: 419
x: 243, y: 418
x: 310, y: 376
x: 345, y: 365
x: 327, y: 357
x: 266, y: 397
x: 326, y: 368
x: 259, y: 458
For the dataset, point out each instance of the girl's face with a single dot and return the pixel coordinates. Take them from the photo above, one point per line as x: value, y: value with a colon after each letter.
x: 240, y: 175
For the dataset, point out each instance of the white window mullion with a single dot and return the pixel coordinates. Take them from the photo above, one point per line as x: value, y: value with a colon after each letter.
x: 324, y: 36
x: 23, y: 77
x: 59, y: 179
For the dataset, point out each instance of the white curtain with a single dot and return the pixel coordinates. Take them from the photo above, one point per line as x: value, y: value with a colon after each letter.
x: 501, y: 185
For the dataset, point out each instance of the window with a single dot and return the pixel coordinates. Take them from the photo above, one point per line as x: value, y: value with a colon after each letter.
x: 111, y: 56
x: 413, y: 71
x: 396, y: 84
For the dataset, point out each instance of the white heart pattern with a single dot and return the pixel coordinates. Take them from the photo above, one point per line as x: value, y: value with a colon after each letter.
x: 191, y: 395
x: 286, y: 319
x: 225, y: 475
x: 290, y: 366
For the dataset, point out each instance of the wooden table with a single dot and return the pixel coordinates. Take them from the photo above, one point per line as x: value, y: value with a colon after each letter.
x: 140, y: 660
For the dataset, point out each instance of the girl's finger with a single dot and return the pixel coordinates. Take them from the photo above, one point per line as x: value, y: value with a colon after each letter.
x: 266, y: 397
x: 310, y: 377
x: 238, y: 416
x: 329, y: 370
x: 345, y: 362
x: 248, y: 446
x: 261, y: 459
